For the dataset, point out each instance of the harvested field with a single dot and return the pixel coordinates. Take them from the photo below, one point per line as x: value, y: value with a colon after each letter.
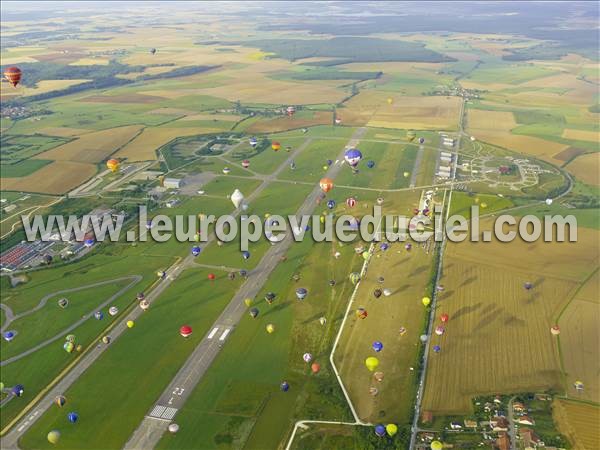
x: 93, y: 147
x: 581, y: 135
x: 579, y: 422
x: 586, y: 168
x: 287, y: 123
x: 498, y: 338
x: 143, y: 147
x: 58, y: 177
x: 63, y: 131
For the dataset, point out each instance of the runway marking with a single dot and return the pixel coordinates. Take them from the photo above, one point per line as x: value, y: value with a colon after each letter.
x: 212, y: 333
x: 224, y: 335
x: 157, y: 411
x: 169, y: 413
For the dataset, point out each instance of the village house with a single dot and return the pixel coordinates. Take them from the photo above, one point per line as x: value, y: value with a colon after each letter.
x: 503, y: 442
x: 530, y: 439
x: 470, y: 423
x: 525, y: 420
x: 455, y: 426
x: 499, y: 424
x: 518, y: 407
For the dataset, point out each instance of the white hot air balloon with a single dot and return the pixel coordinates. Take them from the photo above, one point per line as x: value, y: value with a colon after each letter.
x: 548, y: 201
x: 236, y: 198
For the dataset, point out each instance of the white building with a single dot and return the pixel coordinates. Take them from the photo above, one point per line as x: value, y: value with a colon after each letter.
x: 172, y: 183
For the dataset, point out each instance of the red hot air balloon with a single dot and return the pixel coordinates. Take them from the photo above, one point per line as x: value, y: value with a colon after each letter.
x: 315, y: 367
x: 211, y: 276
x: 444, y: 317
x: 185, y: 331
x: 13, y: 75
x: 326, y: 184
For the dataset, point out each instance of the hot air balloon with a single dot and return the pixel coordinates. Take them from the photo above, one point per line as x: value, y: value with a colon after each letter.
x: 379, y: 200
x: 353, y: 157
x: 246, y: 254
x: 113, y: 165
x: 144, y: 304
x: 377, y: 346
x: 248, y: 301
x: 331, y: 204
x: 307, y: 357
x: 254, y: 312
x: 361, y: 313
x: 377, y: 293
x: 185, y: 331
x: 13, y: 75
x: 253, y: 141
x: 226, y: 170
x: 106, y: 339
x: 380, y: 430
x: 290, y: 111
x: 140, y: 296
x: 365, y: 255
x: 384, y: 246
x: 63, y: 303
x: 555, y: 330
x: 354, y: 277
x: 402, y: 331
x: 578, y: 385
x: 60, y: 400
x: 350, y: 202
x: 444, y: 317
x: 237, y: 198
x: 436, y: 445
x: 270, y: 328
x: 211, y: 276
x: 275, y: 146
x: 390, y: 100
x: 437, y: 348
x: 391, y: 429
x: 130, y: 324
x: 245, y: 164
x: 99, y: 315
x: 231, y: 276
x: 326, y: 184
x: 70, y: 338
x: 423, y: 338
x: 439, y: 330
x: 370, y: 164
x: 173, y: 428
x: 270, y: 297
x: 18, y: 390
x: 195, y: 250
x: 408, y: 247
x: 301, y: 293
x: 421, y: 140
x: 284, y: 386
x: 372, y: 363
x: 373, y: 391
x: 9, y: 335
x: 69, y: 347
x: 315, y: 367
x: 528, y: 285
x: 48, y: 259
x: 243, y: 273
x: 53, y: 436
x: 88, y: 243
x: 329, y: 162
x: 153, y: 51
x: 73, y: 417
x: 322, y: 320
x: 426, y: 301
x: 387, y: 292
x: 161, y: 274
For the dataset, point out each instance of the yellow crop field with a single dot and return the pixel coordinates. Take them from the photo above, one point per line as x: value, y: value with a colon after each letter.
x: 586, y: 168
x: 90, y: 62
x: 143, y: 147
x: 581, y: 135
x: 63, y: 131
x: 479, y: 120
x: 422, y: 113
x: 92, y: 147
x: 579, y: 422
x: 57, y: 177
x: 219, y: 117
x: 287, y: 123
x: 498, y: 337
x: 579, y: 342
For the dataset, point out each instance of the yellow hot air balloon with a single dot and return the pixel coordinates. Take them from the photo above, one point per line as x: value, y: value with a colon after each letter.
x: 365, y: 255
x: 113, y: 165
x: 391, y: 429
x: 247, y: 301
x: 426, y: 301
x: 390, y: 100
x: 130, y: 324
x: 437, y: 445
x: 372, y: 363
x: 322, y: 219
x: 406, y: 174
x: 53, y: 436
x: 483, y: 205
x: 270, y: 328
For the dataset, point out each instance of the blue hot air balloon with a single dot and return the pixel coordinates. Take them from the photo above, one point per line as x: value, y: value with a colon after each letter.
x: 196, y: 250
x: 421, y: 140
x: 353, y: 157
x: 329, y: 162
x: 331, y: 204
x: 245, y: 254
x: 370, y: 164
x: 384, y: 246
x: 88, y: 242
x: 377, y: 346
x: 9, y: 336
x: 301, y: 293
x: 285, y: 386
x: 243, y: 273
x: 99, y: 315
x: 437, y: 348
x: 380, y: 430
x: 73, y: 417
x: 18, y: 390
x: 253, y: 141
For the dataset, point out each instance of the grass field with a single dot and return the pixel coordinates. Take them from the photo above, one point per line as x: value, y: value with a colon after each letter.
x: 498, y: 340
x: 299, y: 120
x: 579, y: 422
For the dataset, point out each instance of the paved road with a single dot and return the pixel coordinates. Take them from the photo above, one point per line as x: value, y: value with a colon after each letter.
x: 10, y: 318
x: 10, y: 440
x: 177, y: 392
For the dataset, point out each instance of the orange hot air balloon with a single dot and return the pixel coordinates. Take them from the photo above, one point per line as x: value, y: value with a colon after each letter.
x: 113, y: 165
x: 326, y: 184
x: 13, y: 75
x: 275, y: 145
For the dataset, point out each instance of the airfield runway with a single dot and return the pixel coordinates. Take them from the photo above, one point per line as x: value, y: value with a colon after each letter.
x: 173, y: 398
